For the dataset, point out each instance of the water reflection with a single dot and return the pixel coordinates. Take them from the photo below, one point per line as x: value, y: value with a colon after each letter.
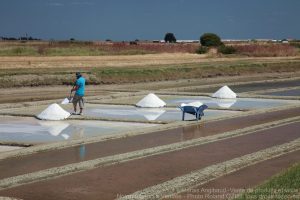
x: 54, y: 127
x: 151, y: 113
x: 33, y: 131
x: 239, y: 103
x: 80, y: 150
x: 192, y: 132
x: 127, y: 112
x: 225, y: 103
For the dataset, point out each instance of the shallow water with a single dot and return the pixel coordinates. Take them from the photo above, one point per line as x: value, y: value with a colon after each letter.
x: 239, y: 103
x: 149, y: 114
x: 249, y: 87
x: 293, y: 92
x: 32, y: 131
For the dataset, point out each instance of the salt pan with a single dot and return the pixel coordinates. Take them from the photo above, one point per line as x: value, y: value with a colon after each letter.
x: 151, y: 101
x: 54, y: 112
x: 224, y: 93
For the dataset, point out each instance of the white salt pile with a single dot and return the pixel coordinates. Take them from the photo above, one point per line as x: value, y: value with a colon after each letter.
x: 54, y: 112
x: 194, y: 104
x: 224, y: 93
x: 151, y: 101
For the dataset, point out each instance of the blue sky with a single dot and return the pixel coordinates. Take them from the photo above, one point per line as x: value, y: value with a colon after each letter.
x: 149, y: 19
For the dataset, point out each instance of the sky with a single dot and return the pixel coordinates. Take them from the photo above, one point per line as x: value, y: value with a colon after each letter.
x: 149, y: 19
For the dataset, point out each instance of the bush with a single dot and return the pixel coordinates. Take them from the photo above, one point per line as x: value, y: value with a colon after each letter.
x: 202, y: 50
x: 210, y: 40
x: 170, y: 37
x: 295, y: 44
x: 226, y: 49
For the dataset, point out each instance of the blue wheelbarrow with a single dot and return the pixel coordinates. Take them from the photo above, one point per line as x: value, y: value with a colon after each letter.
x: 197, y: 111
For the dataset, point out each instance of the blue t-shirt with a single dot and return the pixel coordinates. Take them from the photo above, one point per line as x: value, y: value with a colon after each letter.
x: 81, y: 86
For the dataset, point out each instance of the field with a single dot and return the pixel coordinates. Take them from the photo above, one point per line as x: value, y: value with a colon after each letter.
x: 81, y: 48
x: 42, y: 63
x: 49, y: 71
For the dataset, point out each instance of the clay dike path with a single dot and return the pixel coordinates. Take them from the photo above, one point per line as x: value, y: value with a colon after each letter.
x: 239, y: 152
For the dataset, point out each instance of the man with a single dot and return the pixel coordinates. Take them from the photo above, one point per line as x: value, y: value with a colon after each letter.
x: 79, y: 87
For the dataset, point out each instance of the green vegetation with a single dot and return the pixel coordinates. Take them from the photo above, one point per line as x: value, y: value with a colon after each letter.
x: 226, y: 49
x: 18, y: 51
x: 71, y: 48
x: 67, y: 51
x: 202, y: 50
x: 210, y: 40
x: 88, y: 48
x: 170, y: 37
x: 283, y: 186
x: 295, y: 44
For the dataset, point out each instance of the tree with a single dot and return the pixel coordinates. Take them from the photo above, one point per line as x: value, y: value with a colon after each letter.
x: 210, y: 40
x: 170, y: 37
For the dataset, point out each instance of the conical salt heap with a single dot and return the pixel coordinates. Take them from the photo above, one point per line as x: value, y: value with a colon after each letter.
x: 54, y: 112
x: 151, y: 101
x: 224, y: 93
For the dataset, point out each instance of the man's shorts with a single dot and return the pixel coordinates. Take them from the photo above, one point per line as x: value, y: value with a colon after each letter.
x: 78, y: 99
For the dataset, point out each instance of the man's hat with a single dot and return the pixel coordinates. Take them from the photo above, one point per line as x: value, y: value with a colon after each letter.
x: 78, y: 74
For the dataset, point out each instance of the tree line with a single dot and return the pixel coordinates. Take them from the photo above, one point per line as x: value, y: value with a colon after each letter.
x: 19, y: 38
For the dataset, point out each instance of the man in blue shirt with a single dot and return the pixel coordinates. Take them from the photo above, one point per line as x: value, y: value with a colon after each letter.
x: 79, y: 87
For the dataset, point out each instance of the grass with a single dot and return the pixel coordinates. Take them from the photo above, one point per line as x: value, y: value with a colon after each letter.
x: 89, y: 48
x: 66, y: 51
x: 77, y: 48
x: 17, y: 77
x: 284, y: 186
x: 18, y: 51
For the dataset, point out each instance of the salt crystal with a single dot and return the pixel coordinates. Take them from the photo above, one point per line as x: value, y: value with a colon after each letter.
x: 54, y: 112
x: 196, y: 104
x: 151, y: 101
x: 224, y: 93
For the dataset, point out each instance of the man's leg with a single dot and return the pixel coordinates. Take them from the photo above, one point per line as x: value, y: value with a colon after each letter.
x: 75, y: 101
x: 74, y: 105
x: 81, y: 105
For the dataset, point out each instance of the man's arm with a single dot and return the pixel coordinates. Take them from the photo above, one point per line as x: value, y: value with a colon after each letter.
x: 75, y: 88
